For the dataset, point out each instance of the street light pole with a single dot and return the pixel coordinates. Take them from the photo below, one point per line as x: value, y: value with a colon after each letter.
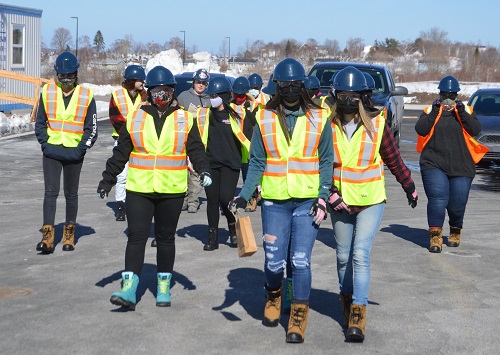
x: 76, y: 52
x: 229, y: 55
x: 184, y: 49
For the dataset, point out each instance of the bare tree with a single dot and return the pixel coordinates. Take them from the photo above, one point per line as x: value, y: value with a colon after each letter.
x: 153, y: 47
x: 355, y: 46
x: 61, y: 39
x: 175, y: 43
x: 435, y: 34
x: 332, y: 47
x: 256, y: 47
x: 121, y: 47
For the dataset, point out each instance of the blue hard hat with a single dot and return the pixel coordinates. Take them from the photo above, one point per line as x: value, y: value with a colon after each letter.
x: 159, y: 75
x: 349, y: 79
x: 66, y: 63
x: 449, y: 84
x: 255, y: 80
x: 270, y: 88
x: 201, y: 75
x: 289, y: 70
x: 134, y: 72
x: 241, y: 85
x: 218, y: 85
x: 370, y: 82
x: 312, y: 82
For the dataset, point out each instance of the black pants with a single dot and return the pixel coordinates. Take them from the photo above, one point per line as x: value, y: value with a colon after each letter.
x: 220, y: 193
x: 140, y: 211
x: 52, y: 177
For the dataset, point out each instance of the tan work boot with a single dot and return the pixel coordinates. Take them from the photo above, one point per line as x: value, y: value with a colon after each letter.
x: 297, y: 323
x: 251, y: 205
x: 272, y: 311
x: 345, y: 302
x: 454, y: 238
x: 357, y: 323
x: 436, y: 235
x: 46, y: 246
x: 68, y: 238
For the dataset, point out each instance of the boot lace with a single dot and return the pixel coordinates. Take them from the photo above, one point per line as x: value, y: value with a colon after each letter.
x: 68, y: 233
x: 298, y: 316
x: 164, y: 285
x: 356, y: 316
x: 46, y: 234
x: 272, y: 300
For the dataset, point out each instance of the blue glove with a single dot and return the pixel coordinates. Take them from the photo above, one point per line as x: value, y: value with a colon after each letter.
x: 101, y: 193
x: 237, y: 202
x: 205, y: 179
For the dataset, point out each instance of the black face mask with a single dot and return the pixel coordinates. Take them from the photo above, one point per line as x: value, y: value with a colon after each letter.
x: 348, y: 106
x: 291, y: 94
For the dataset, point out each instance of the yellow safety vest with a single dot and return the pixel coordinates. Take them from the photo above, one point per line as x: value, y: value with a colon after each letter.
x: 158, y: 164
x: 358, y: 169
x: 292, y: 171
x: 240, y: 110
x: 65, y: 124
x: 125, y: 104
x: 203, y: 122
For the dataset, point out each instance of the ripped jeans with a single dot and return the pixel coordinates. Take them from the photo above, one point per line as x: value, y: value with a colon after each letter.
x: 285, y: 222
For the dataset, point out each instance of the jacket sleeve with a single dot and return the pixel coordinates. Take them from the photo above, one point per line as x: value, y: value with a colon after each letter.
x: 41, y: 124
x: 325, y: 152
x: 196, y: 150
x: 90, y: 127
x: 470, y: 122
x: 425, y: 123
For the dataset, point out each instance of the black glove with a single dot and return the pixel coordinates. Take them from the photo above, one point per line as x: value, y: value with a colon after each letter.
x: 436, y: 105
x: 412, y: 201
x: 205, y: 179
x: 318, y: 210
x: 460, y: 106
x: 237, y: 202
x: 101, y: 193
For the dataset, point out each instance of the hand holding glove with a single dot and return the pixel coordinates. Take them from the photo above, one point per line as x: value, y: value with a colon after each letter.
x: 412, y: 199
x: 436, y: 105
x: 318, y: 210
x: 205, y: 179
x: 237, y: 202
x: 336, y: 203
x: 101, y: 193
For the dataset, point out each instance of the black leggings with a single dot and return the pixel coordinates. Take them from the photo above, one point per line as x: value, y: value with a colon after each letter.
x: 52, y: 177
x: 140, y: 211
x: 220, y: 193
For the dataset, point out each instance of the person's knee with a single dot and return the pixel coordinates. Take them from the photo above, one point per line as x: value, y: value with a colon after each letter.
x: 300, y: 260
x: 274, y: 263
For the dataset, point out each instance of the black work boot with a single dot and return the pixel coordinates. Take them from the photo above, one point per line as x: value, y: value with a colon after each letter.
x: 233, y: 240
x: 213, y: 240
x: 120, y: 211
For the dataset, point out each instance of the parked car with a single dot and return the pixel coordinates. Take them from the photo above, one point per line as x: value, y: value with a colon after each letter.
x: 185, y: 81
x: 386, y: 93
x: 486, y: 104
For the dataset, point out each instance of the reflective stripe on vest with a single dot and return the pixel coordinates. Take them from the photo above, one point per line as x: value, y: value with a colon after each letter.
x: 358, y: 170
x: 292, y: 171
x: 125, y: 104
x: 158, y: 164
x: 65, y: 124
x: 203, y: 124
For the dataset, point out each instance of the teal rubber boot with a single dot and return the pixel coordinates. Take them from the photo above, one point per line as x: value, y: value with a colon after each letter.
x: 127, y: 296
x: 286, y: 302
x: 163, y: 290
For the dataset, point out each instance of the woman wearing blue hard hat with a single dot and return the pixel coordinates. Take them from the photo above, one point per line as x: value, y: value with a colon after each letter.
x: 363, y: 143
x: 292, y: 157
x: 446, y: 164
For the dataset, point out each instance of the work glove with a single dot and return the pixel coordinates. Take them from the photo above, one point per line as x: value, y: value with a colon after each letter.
x: 101, y: 193
x: 460, y: 106
x: 436, y: 105
x: 412, y: 199
x: 237, y: 202
x: 336, y: 203
x: 318, y: 210
x: 205, y: 179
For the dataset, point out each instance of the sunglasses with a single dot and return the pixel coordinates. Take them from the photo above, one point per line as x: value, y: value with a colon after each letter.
x: 348, y: 96
x: 288, y: 84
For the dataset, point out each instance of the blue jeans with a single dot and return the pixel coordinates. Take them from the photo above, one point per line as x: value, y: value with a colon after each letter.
x: 445, y: 193
x: 288, y: 224
x: 354, y: 234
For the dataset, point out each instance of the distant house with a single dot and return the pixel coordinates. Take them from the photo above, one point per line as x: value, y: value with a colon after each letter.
x: 242, y: 64
x: 20, y: 50
x: 112, y: 66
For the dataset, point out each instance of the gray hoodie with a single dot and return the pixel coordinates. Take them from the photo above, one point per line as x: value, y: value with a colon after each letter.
x: 192, y: 102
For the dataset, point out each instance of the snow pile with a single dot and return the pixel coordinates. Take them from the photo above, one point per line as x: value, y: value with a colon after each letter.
x: 15, y: 124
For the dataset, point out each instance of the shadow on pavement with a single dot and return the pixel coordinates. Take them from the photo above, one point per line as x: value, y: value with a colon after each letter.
x: 417, y: 236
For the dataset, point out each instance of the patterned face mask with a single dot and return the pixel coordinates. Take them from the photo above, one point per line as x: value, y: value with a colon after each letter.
x: 162, y: 96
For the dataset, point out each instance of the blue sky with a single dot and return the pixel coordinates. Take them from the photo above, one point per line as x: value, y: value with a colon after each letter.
x: 208, y: 23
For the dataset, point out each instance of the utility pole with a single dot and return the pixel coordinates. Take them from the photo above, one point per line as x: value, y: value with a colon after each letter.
x: 229, y: 55
x: 76, y: 52
x: 184, y: 49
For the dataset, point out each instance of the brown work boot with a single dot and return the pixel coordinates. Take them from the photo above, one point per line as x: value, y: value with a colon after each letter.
x: 454, y: 238
x: 272, y: 311
x: 357, y: 323
x: 436, y: 235
x: 68, y: 238
x: 46, y: 246
x: 251, y: 205
x: 297, y: 323
x: 345, y: 302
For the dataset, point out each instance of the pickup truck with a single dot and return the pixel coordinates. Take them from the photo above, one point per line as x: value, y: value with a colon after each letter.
x: 386, y: 93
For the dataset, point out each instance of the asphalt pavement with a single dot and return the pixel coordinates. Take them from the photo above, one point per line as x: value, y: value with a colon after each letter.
x: 419, y: 303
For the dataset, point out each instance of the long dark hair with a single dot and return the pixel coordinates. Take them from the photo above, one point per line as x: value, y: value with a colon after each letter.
x: 275, y: 104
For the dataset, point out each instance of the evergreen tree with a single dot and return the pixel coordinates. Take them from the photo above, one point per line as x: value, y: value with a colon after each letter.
x: 99, y: 42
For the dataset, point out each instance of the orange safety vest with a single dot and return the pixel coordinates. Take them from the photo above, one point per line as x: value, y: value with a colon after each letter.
x: 65, y: 124
x: 476, y: 149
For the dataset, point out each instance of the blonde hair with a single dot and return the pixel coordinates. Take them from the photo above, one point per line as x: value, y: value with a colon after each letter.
x: 364, y: 115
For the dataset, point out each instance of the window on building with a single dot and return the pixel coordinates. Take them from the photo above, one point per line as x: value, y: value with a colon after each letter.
x: 18, y: 45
